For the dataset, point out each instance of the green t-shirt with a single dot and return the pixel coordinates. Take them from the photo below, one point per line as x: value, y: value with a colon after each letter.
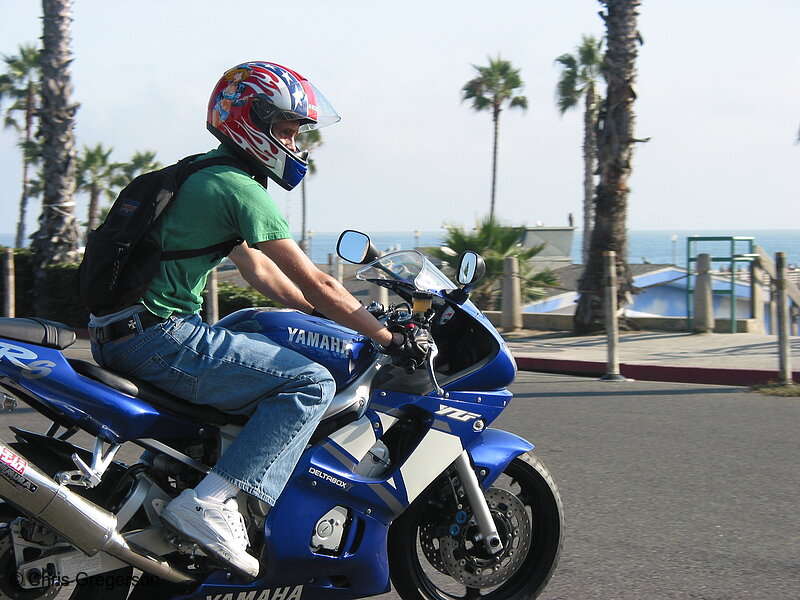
x: 213, y: 205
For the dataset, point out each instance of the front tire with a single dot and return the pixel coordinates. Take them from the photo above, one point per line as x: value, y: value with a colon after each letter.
x: 431, y: 558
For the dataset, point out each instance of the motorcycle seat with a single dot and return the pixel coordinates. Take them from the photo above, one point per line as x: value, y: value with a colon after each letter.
x: 154, y: 396
x: 41, y: 332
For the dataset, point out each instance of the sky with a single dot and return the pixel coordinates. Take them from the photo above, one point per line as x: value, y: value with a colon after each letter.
x: 718, y: 95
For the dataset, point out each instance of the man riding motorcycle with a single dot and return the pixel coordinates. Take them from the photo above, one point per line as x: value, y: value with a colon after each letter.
x: 256, y: 111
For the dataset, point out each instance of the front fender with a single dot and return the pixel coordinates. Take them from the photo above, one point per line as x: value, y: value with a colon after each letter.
x: 493, y: 450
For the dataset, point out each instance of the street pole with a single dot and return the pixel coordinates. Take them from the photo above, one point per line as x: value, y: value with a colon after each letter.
x: 335, y: 267
x: 612, y: 323
x: 784, y: 356
x: 212, y: 300
x: 674, y: 249
x: 511, y: 302
x: 703, y: 297
x: 8, y: 274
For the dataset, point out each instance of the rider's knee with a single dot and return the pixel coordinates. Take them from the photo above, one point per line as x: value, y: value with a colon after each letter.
x: 324, y: 380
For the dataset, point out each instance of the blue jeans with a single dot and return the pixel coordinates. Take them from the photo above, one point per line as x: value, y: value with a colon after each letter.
x: 284, y: 393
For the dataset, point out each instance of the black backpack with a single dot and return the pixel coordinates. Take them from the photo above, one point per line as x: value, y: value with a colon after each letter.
x: 120, y: 260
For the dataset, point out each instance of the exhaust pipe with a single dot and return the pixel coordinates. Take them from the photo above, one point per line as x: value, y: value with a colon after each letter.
x: 85, y: 525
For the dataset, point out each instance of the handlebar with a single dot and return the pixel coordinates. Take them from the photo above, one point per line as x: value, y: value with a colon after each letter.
x: 393, y: 313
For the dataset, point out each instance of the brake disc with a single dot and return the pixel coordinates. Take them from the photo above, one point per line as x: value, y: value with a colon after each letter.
x: 468, y: 562
x: 431, y: 545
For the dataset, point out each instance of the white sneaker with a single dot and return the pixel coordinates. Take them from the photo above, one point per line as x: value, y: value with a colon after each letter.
x: 218, y: 527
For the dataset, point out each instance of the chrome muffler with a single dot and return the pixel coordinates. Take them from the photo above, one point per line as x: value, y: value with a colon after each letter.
x: 85, y: 525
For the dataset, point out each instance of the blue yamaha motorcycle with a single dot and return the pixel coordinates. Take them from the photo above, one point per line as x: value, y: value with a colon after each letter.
x: 403, y: 484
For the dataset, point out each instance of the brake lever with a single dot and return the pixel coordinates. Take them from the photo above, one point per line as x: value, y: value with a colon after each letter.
x: 432, y: 353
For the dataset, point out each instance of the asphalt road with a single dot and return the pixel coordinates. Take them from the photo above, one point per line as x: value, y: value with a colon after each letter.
x: 670, y: 490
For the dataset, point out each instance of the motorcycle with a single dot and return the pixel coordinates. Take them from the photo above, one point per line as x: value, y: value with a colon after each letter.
x: 404, y: 482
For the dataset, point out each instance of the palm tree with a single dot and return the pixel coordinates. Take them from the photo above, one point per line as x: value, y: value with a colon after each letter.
x: 309, y: 141
x: 57, y: 237
x: 615, y: 138
x: 96, y: 174
x: 140, y: 162
x: 124, y: 173
x: 495, y: 242
x: 20, y: 84
x: 579, y: 75
x: 495, y: 88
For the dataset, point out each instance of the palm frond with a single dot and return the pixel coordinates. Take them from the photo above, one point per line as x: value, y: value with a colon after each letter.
x: 495, y: 242
x: 578, y: 72
x: 495, y: 85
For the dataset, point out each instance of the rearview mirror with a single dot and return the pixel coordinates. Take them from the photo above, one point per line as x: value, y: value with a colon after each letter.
x: 356, y: 247
x: 471, y: 269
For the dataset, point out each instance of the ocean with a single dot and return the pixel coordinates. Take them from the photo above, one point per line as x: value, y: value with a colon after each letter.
x: 656, y: 247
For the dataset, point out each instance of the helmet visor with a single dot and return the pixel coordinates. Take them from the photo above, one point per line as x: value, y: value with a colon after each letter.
x: 326, y: 114
x: 310, y: 107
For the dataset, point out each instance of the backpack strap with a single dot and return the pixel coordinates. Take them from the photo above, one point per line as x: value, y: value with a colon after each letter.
x: 189, y: 166
x: 219, y: 250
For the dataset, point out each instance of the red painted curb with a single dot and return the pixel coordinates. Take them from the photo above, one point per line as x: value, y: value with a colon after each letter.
x: 740, y: 377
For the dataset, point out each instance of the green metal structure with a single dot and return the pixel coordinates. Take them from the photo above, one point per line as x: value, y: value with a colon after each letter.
x: 731, y: 253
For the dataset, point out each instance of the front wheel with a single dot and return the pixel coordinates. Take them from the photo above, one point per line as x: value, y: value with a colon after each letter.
x: 433, y: 553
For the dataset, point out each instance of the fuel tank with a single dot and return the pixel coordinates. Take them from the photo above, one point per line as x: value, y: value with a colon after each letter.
x: 344, y: 352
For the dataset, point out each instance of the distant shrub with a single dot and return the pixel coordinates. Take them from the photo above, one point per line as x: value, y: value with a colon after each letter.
x: 233, y: 297
x: 24, y: 273
x: 61, y: 304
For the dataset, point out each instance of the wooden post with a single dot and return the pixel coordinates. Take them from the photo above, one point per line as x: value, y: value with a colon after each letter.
x: 784, y: 356
x: 212, y: 301
x: 703, y: 321
x: 511, y: 302
x: 8, y: 275
x: 612, y: 322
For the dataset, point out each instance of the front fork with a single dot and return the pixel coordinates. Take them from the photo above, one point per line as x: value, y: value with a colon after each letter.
x: 477, y: 502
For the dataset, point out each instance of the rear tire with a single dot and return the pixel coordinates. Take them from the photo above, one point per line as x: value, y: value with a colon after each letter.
x: 428, y: 562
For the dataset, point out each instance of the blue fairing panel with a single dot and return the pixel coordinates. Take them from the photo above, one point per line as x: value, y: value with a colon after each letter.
x: 344, y: 352
x: 493, y: 450
x: 43, y: 378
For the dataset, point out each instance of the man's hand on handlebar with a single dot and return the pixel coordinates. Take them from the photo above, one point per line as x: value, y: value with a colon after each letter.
x: 410, y: 345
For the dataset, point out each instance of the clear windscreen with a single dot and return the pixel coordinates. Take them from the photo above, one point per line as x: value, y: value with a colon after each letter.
x: 409, y: 267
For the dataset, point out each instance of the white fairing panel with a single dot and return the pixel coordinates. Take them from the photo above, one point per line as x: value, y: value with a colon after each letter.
x: 435, y: 453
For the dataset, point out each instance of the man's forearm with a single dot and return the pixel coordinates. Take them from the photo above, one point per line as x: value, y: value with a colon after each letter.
x: 267, y: 279
x: 289, y: 295
x: 336, y: 303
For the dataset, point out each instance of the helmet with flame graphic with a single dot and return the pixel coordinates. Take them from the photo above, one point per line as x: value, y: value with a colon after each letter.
x: 249, y: 99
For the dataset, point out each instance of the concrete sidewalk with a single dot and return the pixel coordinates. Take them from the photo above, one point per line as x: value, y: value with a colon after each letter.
x: 716, y: 358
